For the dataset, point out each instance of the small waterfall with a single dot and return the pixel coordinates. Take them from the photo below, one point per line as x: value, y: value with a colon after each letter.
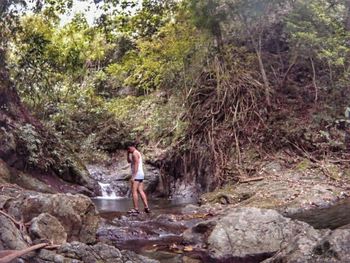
x: 107, y: 191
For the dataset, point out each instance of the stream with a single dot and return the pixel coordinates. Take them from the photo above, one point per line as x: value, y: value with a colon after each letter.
x: 156, y: 235
x: 159, y: 235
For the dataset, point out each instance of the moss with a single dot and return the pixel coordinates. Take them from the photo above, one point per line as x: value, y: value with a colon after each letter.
x: 226, y: 195
x: 333, y: 172
x: 267, y: 203
x: 303, y: 165
x: 346, y: 174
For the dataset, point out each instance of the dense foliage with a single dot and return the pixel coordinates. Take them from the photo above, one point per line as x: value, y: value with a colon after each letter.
x: 204, y: 79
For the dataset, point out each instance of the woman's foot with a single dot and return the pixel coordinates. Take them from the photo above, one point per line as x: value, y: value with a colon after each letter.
x: 133, y: 211
x: 147, y: 210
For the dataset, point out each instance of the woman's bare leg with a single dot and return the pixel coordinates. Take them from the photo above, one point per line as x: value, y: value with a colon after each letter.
x: 143, y: 195
x: 135, y: 196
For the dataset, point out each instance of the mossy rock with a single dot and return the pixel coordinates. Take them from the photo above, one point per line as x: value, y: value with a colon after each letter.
x: 303, y: 165
x: 226, y: 195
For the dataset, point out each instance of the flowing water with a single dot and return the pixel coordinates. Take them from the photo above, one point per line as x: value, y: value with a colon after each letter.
x: 107, y: 192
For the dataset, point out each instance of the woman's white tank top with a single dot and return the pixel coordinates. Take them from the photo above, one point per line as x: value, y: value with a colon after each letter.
x: 140, y: 174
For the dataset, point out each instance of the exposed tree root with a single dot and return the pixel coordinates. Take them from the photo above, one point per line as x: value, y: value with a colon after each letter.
x: 21, y: 225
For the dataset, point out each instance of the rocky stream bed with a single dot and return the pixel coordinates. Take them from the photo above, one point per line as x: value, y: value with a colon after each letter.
x: 288, y: 216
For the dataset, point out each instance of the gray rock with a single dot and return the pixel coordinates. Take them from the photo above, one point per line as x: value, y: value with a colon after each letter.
x: 76, y: 213
x: 10, y: 236
x: 47, y: 227
x: 29, y: 182
x: 77, y: 252
x: 251, y: 231
x: 316, y: 247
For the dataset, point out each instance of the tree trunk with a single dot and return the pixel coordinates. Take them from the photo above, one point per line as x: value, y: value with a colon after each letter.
x: 257, y: 47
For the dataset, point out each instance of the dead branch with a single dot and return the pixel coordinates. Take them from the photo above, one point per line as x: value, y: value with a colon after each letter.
x: 251, y: 180
x: 20, y: 224
x: 314, y: 79
x: 13, y: 254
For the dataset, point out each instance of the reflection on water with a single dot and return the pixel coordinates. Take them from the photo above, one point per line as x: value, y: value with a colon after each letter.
x: 125, y: 204
x: 332, y: 217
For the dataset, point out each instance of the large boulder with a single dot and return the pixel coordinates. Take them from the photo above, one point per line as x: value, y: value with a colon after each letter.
x: 47, y: 227
x: 76, y: 213
x: 246, y: 233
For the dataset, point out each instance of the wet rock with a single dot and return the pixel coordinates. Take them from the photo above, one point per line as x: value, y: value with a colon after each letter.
x: 140, y: 228
x: 77, y: 252
x: 198, y: 234
x: 315, y: 247
x: 85, y: 253
x: 76, y: 213
x: 131, y: 257
x: 47, y: 227
x: 10, y: 236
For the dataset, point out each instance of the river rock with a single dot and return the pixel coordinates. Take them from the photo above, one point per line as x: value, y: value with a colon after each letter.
x: 47, y: 227
x: 76, y: 213
x: 290, y: 190
x: 10, y: 236
x: 330, y: 247
x: 77, y: 252
x: 246, y: 233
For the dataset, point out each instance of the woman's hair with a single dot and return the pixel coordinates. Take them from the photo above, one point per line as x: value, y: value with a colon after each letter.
x: 131, y: 144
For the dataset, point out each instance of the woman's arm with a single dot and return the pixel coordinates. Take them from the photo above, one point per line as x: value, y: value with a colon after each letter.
x: 128, y: 157
x: 136, y: 160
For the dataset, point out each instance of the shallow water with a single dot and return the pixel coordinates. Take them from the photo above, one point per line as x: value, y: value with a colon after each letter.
x: 153, y: 247
x: 122, y: 205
